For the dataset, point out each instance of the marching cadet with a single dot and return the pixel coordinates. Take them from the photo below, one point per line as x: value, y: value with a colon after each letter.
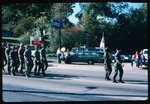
x: 118, y: 66
x: 28, y: 61
x: 17, y: 58
x: 21, y: 57
x: 108, y: 68
x: 37, y: 62
x: 44, y: 63
x: 7, y: 51
x: 13, y: 60
x: 3, y: 56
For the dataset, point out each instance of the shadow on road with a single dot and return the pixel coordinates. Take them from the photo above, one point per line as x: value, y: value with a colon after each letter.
x: 136, y: 82
x: 46, y: 92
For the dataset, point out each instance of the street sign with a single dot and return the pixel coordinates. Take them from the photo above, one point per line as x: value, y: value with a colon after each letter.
x: 56, y: 24
x: 35, y: 40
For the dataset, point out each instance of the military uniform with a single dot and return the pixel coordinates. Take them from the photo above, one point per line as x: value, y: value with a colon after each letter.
x: 37, y: 62
x: 28, y: 61
x: 17, y: 58
x: 3, y: 56
x: 7, y: 51
x: 108, y: 68
x: 13, y: 61
x: 44, y: 63
x: 21, y: 57
x: 117, y: 66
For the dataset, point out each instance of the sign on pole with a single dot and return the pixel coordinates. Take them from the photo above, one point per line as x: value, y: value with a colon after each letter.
x: 35, y: 40
x: 56, y: 24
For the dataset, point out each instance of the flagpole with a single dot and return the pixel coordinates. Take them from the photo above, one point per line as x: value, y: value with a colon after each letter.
x: 104, y: 48
x: 104, y: 42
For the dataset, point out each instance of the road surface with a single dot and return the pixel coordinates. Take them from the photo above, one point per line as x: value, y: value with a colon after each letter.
x: 76, y: 82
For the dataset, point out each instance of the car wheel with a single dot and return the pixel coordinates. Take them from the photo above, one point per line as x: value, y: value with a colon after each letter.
x: 90, y: 62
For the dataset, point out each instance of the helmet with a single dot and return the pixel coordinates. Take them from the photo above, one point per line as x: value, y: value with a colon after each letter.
x: 36, y: 47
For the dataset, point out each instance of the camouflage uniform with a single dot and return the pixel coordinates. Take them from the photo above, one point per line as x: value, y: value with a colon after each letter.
x: 3, y: 56
x: 37, y: 62
x: 44, y: 63
x: 17, y: 58
x: 108, y: 68
x: 28, y: 61
x: 13, y: 60
x: 118, y: 66
x: 7, y: 51
x: 21, y: 57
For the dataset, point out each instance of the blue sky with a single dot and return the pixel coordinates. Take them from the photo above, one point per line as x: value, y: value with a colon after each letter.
x: 77, y: 8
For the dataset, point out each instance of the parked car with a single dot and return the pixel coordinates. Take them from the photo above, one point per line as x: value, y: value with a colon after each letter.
x: 145, y: 53
x: 84, y: 56
x: 126, y: 58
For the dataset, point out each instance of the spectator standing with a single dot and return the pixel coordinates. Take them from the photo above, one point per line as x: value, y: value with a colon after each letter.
x: 58, y: 55
x: 137, y: 58
x: 142, y: 59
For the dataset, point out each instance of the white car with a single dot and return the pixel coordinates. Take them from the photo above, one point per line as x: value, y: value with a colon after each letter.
x: 145, y: 53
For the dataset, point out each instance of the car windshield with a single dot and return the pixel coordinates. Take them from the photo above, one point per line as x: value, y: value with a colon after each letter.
x: 145, y: 52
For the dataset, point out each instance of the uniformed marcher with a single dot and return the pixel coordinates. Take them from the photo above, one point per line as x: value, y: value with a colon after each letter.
x: 44, y: 63
x: 37, y: 62
x: 7, y: 51
x: 21, y: 57
x: 3, y: 57
x: 118, y: 66
x: 17, y: 58
x: 28, y: 61
x: 107, y: 63
x: 13, y: 60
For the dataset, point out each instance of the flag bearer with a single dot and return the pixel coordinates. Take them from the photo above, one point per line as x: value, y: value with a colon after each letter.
x: 107, y: 63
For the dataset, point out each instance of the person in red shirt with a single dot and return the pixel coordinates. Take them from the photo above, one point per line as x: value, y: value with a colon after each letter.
x: 137, y: 58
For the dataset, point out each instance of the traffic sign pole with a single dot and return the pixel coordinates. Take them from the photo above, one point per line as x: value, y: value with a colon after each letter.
x: 59, y: 37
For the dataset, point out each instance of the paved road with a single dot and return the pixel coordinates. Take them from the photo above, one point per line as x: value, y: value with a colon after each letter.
x: 76, y: 82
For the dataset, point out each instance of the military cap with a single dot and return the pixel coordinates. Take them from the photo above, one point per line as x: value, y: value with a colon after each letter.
x: 8, y: 45
x: 27, y: 46
x: 42, y: 45
x: 118, y: 48
x: 13, y: 47
x: 36, y: 47
x: 16, y: 47
x: 107, y: 49
x: 21, y: 44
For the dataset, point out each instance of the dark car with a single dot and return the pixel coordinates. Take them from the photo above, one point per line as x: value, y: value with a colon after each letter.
x: 84, y: 56
x: 125, y: 58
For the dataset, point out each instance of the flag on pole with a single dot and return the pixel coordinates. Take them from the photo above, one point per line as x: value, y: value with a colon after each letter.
x: 102, y: 43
